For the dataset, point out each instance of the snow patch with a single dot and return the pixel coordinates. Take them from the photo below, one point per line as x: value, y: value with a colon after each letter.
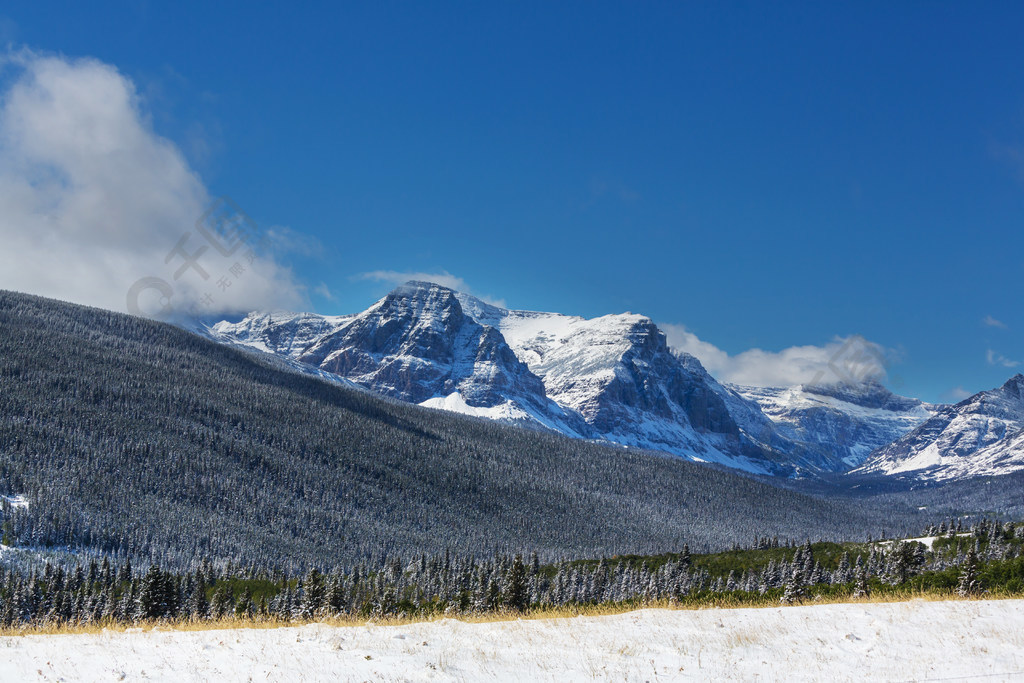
x: 953, y: 640
x: 16, y: 501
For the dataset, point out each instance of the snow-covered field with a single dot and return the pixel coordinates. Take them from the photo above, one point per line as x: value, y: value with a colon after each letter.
x: 947, y: 641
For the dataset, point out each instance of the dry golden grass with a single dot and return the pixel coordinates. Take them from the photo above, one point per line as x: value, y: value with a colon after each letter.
x: 725, y: 602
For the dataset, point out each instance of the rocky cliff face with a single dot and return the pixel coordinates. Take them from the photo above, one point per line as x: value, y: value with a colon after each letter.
x: 612, y: 378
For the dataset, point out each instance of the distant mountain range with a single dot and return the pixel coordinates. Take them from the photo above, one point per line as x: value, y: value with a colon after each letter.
x: 615, y: 379
x: 981, y: 435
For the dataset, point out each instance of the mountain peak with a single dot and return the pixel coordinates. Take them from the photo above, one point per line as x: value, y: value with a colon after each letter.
x: 414, y: 286
x: 981, y: 435
x: 1014, y: 385
x: 415, y: 299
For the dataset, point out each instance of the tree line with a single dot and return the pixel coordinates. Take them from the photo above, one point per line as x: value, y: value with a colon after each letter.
x: 985, y: 556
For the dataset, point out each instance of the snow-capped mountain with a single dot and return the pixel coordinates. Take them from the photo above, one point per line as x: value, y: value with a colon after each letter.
x: 981, y: 435
x: 612, y: 378
x: 840, y: 424
x: 618, y: 372
x: 416, y: 345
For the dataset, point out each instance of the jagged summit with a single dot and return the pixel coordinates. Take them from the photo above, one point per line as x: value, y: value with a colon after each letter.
x: 613, y: 377
x: 419, y: 289
x: 839, y: 425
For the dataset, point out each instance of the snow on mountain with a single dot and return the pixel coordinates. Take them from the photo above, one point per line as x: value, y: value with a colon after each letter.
x: 613, y: 378
x: 416, y: 345
x: 839, y: 425
x: 619, y: 373
x: 827, y: 428
x: 981, y: 435
x: 282, y: 333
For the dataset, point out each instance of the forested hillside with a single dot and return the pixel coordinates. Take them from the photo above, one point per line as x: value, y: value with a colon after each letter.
x: 137, y: 438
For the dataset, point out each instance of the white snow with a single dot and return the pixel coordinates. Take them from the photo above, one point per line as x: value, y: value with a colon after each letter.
x: 955, y: 640
x: 874, y: 427
x: 577, y: 358
x: 279, y: 332
x: 1001, y: 457
x: 16, y: 501
x: 980, y: 436
x: 928, y: 541
x: 923, y: 459
x: 588, y: 368
x: 505, y: 412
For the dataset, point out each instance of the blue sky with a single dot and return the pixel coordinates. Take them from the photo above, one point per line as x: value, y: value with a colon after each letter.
x: 766, y: 175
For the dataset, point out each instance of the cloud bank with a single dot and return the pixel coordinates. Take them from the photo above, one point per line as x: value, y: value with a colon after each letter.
x: 844, y: 359
x: 92, y: 200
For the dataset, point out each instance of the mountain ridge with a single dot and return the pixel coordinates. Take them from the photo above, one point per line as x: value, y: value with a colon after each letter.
x: 981, y: 435
x: 612, y: 378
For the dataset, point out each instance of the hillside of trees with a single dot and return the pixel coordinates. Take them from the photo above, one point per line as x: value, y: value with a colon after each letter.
x: 136, y: 439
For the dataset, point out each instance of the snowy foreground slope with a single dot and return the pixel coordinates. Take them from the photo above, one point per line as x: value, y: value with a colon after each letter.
x: 970, y: 640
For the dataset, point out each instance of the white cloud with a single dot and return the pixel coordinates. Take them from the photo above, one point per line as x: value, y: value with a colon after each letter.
x: 958, y: 394
x: 443, y: 278
x: 92, y: 199
x: 323, y: 290
x: 844, y: 359
x: 992, y: 322
x: 995, y: 358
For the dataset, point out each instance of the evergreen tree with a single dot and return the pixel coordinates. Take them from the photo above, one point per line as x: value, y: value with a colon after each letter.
x: 198, y: 607
x: 245, y: 608
x: 314, y: 595
x: 861, y: 589
x: 152, y: 600
x: 335, y: 599
x: 842, y: 573
x: 794, y: 590
x: 515, y: 591
x: 127, y: 609
x: 222, y: 602
x: 968, y: 584
x: 808, y: 561
x: 125, y: 573
x: 904, y: 561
